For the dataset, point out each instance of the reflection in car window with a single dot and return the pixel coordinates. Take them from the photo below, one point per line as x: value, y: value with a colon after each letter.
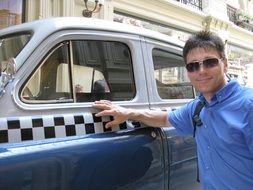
x: 102, y: 70
x: 97, y: 70
x: 171, y: 77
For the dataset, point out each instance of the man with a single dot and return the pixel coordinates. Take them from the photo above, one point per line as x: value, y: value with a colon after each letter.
x: 225, y: 138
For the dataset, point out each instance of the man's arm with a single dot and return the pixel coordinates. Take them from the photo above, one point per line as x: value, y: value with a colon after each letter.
x: 121, y: 114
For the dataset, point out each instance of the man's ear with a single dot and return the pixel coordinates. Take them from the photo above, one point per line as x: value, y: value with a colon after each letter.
x: 225, y: 64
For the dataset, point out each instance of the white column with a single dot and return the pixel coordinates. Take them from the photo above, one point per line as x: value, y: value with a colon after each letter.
x: 106, y: 11
x: 216, y: 9
x: 32, y: 10
x: 56, y: 8
x: 68, y: 7
x: 242, y: 4
x: 45, y: 9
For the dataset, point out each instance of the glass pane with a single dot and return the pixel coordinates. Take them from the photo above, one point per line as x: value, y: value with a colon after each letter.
x: 171, y: 77
x: 51, y: 82
x: 102, y: 70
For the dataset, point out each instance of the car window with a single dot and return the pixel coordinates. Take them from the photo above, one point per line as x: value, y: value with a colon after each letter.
x: 170, y: 75
x: 82, y: 71
x: 43, y: 86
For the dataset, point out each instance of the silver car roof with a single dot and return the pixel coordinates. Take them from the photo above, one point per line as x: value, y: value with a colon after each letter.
x: 45, y: 27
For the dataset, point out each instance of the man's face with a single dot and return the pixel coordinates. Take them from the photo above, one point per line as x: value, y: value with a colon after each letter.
x: 207, y: 79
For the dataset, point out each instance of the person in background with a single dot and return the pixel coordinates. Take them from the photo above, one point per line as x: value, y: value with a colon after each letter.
x: 225, y: 137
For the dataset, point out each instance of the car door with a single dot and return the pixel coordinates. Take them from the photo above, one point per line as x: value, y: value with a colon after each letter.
x: 52, y: 138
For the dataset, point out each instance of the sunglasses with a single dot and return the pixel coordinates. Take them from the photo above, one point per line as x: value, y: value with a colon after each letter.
x: 207, y: 63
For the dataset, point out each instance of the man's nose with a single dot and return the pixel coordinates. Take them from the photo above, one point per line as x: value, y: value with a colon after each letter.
x: 201, y: 67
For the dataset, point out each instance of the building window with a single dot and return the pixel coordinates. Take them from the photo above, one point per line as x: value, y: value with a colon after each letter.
x: 197, y: 4
x: 240, y: 64
x: 11, y: 12
x: 151, y: 25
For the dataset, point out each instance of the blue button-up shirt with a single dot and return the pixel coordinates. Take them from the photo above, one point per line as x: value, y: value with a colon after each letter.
x: 225, y: 140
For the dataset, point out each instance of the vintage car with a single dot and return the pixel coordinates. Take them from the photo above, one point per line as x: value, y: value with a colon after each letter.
x: 52, y: 70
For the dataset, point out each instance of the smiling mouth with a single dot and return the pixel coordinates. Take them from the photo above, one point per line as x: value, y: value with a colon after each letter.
x: 203, y: 79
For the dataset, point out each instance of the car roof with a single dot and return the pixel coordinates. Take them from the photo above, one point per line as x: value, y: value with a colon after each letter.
x: 48, y: 26
x: 43, y: 28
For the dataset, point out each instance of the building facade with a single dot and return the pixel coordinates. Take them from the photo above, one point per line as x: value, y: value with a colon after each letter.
x: 232, y: 20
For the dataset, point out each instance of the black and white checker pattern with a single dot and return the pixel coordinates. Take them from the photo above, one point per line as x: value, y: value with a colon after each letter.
x: 18, y: 129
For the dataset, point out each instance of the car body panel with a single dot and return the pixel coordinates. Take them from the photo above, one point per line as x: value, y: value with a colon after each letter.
x: 106, y: 161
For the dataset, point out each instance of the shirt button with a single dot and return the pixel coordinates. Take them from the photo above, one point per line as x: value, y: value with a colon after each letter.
x: 204, y: 126
x: 208, y: 147
x: 207, y: 167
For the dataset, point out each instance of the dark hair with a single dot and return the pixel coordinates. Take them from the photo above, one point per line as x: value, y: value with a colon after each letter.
x: 204, y: 39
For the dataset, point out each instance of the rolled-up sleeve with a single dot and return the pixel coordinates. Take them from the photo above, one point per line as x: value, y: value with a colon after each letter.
x: 181, y: 119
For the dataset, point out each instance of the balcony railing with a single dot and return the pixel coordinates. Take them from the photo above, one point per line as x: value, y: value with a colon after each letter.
x: 239, y: 21
x: 193, y: 3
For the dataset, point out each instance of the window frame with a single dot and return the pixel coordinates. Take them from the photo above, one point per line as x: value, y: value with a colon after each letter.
x: 41, y: 63
x: 133, y: 41
x: 155, y: 100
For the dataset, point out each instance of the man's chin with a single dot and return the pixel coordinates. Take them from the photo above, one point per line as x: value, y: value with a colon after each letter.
x: 202, y: 89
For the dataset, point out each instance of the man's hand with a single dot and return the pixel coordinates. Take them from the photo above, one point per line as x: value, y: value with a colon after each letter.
x: 119, y: 114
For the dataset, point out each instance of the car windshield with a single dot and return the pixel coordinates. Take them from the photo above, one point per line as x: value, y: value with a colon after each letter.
x: 11, y: 46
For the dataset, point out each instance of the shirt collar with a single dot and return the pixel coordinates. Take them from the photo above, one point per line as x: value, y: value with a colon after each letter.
x: 223, y: 93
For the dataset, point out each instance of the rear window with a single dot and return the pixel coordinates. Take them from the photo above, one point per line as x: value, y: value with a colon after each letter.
x: 171, y: 76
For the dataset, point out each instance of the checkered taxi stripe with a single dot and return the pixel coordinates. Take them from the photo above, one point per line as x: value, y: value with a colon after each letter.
x: 18, y: 129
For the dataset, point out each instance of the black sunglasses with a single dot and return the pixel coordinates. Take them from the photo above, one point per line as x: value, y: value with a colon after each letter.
x: 207, y: 63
